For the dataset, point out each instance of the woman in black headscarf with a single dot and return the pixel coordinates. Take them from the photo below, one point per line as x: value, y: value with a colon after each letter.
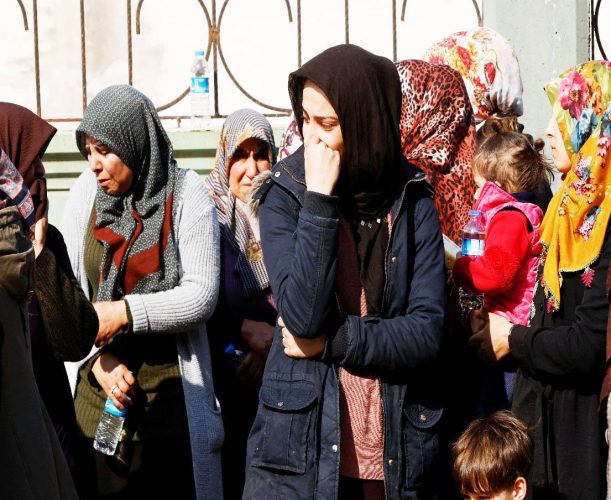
x: 354, y: 253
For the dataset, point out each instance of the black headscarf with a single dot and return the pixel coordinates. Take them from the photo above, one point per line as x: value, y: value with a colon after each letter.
x: 365, y: 92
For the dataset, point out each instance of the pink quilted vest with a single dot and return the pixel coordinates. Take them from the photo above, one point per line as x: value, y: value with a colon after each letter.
x: 513, y: 304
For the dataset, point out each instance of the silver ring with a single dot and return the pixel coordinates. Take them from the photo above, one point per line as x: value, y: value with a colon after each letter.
x: 113, y: 389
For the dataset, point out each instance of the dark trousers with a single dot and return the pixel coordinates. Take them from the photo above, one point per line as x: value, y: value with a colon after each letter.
x: 360, y: 489
x: 161, y: 468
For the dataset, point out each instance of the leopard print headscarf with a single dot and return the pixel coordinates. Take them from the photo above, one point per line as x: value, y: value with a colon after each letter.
x: 438, y: 136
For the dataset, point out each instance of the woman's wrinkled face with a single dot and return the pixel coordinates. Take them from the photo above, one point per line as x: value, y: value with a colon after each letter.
x: 559, y: 153
x: 248, y: 160
x: 113, y: 176
x: 320, y: 119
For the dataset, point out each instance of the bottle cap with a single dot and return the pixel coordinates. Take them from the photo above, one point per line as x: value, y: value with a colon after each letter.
x: 200, y: 53
x: 474, y: 212
x: 109, y: 407
x: 229, y: 348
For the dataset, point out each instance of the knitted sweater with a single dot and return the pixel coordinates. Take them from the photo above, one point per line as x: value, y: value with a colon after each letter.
x: 182, y: 310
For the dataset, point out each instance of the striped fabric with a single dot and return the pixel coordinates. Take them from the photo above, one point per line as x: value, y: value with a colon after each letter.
x: 234, y: 218
x: 361, y: 416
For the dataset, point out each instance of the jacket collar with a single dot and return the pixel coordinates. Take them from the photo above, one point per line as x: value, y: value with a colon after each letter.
x: 491, y: 196
x: 290, y: 174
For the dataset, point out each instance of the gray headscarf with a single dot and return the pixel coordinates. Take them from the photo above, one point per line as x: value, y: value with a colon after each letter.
x: 236, y: 228
x: 136, y: 227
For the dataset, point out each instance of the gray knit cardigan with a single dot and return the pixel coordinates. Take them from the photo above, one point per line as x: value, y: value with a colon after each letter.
x: 182, y: 311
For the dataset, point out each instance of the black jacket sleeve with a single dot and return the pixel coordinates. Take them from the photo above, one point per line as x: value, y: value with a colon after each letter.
x: 70, y: 321
x: 300, y: 248
x: 576, y: 348
x: 414, y: 338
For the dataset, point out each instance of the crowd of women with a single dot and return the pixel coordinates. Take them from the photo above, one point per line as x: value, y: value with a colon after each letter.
x: 291, y: 329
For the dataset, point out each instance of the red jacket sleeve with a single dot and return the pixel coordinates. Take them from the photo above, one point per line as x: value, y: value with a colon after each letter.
x: 507, y: 243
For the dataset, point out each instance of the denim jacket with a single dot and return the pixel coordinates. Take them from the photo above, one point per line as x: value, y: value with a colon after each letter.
x: 293, y: 449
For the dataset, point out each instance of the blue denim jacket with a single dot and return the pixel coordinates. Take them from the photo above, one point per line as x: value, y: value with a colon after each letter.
x: 293, y: 449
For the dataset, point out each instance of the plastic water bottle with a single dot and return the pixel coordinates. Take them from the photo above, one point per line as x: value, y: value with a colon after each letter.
x: 473, y: 243
x: 200, y: 92
x: 109, y: 429
x: 235, y: 355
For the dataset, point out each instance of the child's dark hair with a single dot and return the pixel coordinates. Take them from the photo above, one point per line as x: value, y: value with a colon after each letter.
x: 512, y: 159
x: 491, y: 454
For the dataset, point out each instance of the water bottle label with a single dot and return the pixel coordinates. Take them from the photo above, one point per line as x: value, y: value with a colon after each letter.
x: 199, y: 84
x: 109, y: 407
x: 472, y: 247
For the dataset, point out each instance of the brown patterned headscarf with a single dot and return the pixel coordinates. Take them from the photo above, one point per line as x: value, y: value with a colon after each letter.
x: 438, y: 136
x: 14, y: 192
x: 24, y: 137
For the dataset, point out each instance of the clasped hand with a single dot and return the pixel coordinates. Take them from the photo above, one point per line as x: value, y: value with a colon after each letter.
x: 299, y: 347
x: 112, y: 317
x: 490, y: 335
x: 38, y: 234
x: 322, y: 166
x: 115, y: 379
x: 258, y: 336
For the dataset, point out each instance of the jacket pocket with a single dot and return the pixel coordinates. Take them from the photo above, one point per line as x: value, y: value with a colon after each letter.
x: 286, y: 411
x: 421, y: 443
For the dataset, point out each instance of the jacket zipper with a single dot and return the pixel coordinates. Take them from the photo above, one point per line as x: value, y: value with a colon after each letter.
x: 388, y: 245
x: 384, y: 302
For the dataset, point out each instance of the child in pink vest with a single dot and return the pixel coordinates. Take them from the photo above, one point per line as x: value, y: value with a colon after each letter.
x: 507, y: 170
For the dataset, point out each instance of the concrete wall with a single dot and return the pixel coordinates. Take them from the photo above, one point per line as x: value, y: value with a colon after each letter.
x: 548, y: 36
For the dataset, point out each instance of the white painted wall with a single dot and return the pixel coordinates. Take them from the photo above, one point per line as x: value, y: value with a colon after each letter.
x: 257, y: 39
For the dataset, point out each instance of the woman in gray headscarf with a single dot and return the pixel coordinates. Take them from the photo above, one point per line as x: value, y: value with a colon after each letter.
x: 143, y: 239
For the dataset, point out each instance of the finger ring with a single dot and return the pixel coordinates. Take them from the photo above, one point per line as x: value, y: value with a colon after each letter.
x: 113, y: 389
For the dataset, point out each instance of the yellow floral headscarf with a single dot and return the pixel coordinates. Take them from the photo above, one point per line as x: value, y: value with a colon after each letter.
x: 576, y: 220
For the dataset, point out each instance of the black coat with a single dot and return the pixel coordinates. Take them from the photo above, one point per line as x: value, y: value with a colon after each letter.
x: 561, y: 359
x: 293, y: 448
x: 63, y: 325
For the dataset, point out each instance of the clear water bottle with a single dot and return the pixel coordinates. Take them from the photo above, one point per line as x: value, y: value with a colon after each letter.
x: 109, y: 429
x: 235, y: 355
x: 200, y: 92
x: 473, y: 243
